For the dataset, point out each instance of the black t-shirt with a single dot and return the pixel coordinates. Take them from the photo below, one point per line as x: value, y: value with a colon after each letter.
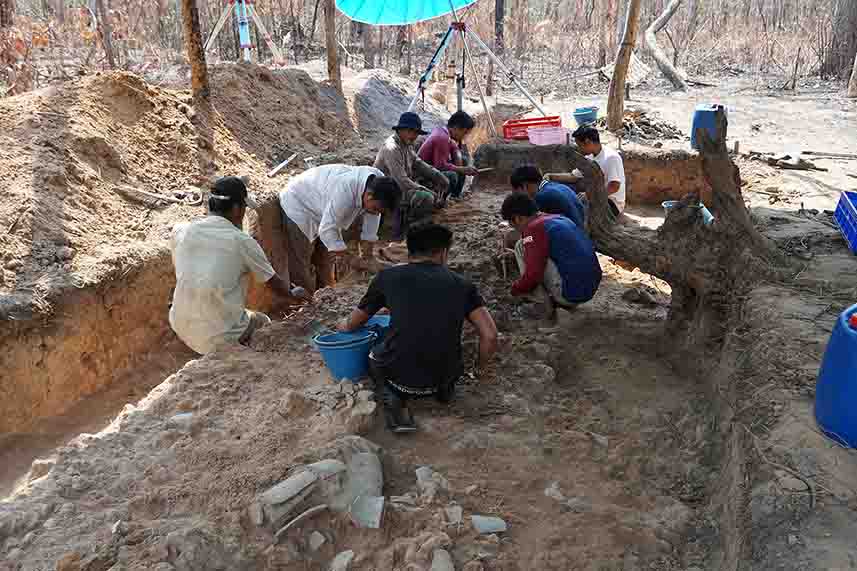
x: 428, y: 304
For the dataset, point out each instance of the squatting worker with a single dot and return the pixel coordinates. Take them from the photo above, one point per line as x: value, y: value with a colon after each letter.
x: 322, y: 203
x: 213, y: 258
x: 609, y: 161
x: 420, y: 354
x: 555, y: 256
x: 397, y: 159
x: 441, y: 150
x: 550, y: 197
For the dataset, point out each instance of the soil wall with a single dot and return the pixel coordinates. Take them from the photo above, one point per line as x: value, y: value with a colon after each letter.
x: 100, y: 332
x: 652, y: 175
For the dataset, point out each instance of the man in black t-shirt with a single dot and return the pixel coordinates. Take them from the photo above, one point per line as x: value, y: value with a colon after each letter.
x: 420, y: 354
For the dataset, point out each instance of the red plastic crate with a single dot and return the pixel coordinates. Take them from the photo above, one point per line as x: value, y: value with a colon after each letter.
x: 517, y: 128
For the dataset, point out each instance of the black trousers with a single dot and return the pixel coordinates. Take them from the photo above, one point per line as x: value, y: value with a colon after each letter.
x: 390, y: 395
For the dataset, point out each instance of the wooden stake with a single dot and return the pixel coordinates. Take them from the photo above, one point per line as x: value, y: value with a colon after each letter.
x: 616, y: 100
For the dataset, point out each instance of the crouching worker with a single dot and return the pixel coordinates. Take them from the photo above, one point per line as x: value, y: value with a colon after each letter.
x: 397, y: 159
x: 213, y: 258
x: 442, y: 151
x: 550, y: 197
x: 420, y: 355
x: 555, y: 256
x: 322, y: 203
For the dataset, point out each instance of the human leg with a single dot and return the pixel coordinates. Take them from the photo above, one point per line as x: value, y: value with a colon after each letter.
x: 397, y: 417
x: 301, y: 269
x: 540, y: 294
x: 456, y: 183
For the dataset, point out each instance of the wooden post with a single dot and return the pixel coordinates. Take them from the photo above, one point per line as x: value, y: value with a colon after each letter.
x: 650, y: 44
x: 333, y: 73
x: 616, y: 100
x: 852, y: 85
x: 105, y: 31
x: 368, y: 46
x: 195, y: 52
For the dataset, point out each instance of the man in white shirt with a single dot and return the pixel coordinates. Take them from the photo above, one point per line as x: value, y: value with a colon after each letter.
x: 609, y: 161
x: 213, y: 258
x: 322, y: 203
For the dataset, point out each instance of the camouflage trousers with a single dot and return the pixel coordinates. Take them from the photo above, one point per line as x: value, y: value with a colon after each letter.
x: 417, y: 206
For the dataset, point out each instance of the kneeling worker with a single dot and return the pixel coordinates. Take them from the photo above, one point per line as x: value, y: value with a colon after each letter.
x: 397, y: 159
x: 213, y: 257
x: 551, y: 197
x: 420, y: 354
x: 441, y: 150
x: 554, y: 255
x: 322, y: 203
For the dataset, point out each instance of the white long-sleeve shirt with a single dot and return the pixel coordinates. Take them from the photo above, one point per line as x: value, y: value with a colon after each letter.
x: 324, y: 201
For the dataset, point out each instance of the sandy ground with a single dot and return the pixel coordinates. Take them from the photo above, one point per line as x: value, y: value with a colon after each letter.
x: 588, y: 440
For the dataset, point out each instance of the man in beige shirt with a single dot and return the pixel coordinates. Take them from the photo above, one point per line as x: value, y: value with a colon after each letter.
x: 397, y: 159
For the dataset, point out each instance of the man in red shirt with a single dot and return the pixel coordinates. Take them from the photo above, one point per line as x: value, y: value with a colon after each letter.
x: 555, y: 256
x: 441, y: 150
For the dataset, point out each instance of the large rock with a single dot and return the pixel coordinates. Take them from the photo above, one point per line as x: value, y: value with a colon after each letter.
x: 441, y: 561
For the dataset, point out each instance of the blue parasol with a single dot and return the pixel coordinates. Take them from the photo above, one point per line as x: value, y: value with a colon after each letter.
x: 398, y: 12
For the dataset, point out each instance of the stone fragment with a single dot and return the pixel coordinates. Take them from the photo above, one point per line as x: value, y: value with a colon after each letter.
x: 327, y: 468
x: 430, y: 483
x: 441, y: 560
x: 257, y: 515
x: 316, y: 540
x: 342, y: 562
x: 289, y: 488
x: 554, y: 492
x: 488, y: 524
x: 119, y: 528
x: 181, y: 421
x: 473, y: 566
x: 454, y: 514
x: 41, y: 467
x: 367, y: 511
x: 362, y: 417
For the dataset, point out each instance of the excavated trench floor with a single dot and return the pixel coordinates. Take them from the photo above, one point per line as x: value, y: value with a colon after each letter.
x: 587, y: 438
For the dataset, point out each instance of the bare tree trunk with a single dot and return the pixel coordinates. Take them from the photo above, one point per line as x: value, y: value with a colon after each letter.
x: 333, y: 72
x: 368, y: 46
x: 105, y: 32
x: 621, y: 18
x: 852, y: 85
x: 616, y: 99
x: 650, y: 44
x: 7, y: 13
x: 499, y: 42
x: 314, y: 18
x: 195, y: 52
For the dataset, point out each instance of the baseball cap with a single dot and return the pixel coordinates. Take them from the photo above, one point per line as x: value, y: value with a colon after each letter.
x: 234, y: 189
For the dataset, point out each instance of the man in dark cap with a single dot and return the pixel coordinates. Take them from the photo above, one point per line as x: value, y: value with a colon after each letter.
x: 213, y: 258
x: 397, y: 159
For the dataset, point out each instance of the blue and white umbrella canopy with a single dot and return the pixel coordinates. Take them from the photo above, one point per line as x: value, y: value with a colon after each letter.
x: 398, y: 12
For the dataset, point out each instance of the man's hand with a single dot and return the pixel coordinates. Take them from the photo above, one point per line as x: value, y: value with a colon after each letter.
x: 344, y: 325
x: 300, y: 293
x: 467, y: 171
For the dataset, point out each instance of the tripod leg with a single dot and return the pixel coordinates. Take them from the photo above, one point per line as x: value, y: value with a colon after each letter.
x: 478, y: 83
x: 424, y: 78
x: 507, y: 71
x: 278, y: 55
x: 219, y: 26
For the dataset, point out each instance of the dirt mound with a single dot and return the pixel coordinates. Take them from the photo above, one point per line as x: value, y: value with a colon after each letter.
x: 75, y: 157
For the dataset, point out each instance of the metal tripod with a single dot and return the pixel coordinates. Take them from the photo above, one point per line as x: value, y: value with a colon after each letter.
x: 244, y: 10
x: 462, y: 32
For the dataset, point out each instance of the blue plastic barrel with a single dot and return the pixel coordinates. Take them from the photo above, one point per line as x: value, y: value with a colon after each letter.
x: 703, y: 118
x: 836, y: 388
x: 346, y: 354
x: 585, y: 115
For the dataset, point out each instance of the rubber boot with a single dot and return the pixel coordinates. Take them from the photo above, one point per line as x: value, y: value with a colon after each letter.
x: 396, y: 415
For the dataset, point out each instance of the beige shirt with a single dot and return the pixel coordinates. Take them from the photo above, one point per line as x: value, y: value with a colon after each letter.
x: 400, y: 162
x: 213, y: 260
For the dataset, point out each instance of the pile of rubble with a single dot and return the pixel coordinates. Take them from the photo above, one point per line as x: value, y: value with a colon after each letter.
x: 639, y: 126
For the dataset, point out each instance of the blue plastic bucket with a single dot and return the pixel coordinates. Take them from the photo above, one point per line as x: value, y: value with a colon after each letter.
x: 346, y: 354
x: 585, y: 115
x: 836, y: 388
x: 704, y: 118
